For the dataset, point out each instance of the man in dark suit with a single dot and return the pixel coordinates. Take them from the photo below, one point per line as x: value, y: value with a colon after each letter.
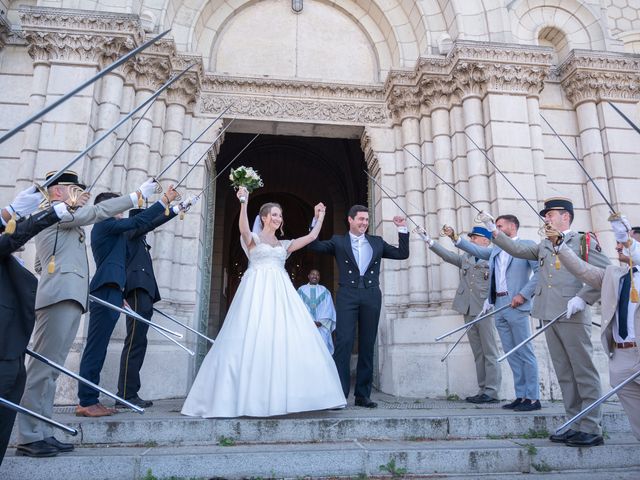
x: 17, y: 305
x: 141, y: 292
x: 359, y: 299
x: 108, y: 243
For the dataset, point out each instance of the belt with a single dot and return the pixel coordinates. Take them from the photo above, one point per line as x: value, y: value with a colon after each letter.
x: 502, y: 294
x: 626, y: 345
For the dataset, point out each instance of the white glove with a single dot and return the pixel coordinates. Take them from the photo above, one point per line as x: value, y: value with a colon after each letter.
x: 26, y: 202
x: 62, y: 211
x: 621, y: 228
x: 486, y: 307
x: 575, y: 305
x: 422, y: 233
x: 148, y: 188
x: 191, y: 202
x: 488, y: 221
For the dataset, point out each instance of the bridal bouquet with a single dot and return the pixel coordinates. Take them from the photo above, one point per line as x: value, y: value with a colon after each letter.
x: 245, y: 177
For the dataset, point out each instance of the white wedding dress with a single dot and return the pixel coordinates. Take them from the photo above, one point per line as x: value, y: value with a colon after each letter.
x: 269, y: 358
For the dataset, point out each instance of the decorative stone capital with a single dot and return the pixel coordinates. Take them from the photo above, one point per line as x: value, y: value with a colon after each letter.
x: 404, y: 102
x: 148, y: 72
x: 596, y: 76
x: 517, y: 78
x: 471, y: 78
x: 437, y: 92
x: 5, y: 30
x: 78, y: 36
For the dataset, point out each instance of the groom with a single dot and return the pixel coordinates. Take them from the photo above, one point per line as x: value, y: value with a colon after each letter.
x: 359, y: 299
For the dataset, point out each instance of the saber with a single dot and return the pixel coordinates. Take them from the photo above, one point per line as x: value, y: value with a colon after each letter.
x: 455, y: 344
x: 527, y: 340
x: 54, y: 365
x: 120, y: 146
x: 424, y: 165
x: 390, y: 198
x: 194, y: 141
x: 97, y: 76
x: 473, y: 322
x: 598, y: 402
x: 204, y: 154
x: 613, y: 210
x: 17, y: 408
x: 131, y: 313
x: 227, y: 166
x: 117, y: 125
x: 627, y: 119
x: 158, y: 328
x: 503, y: 175
x: 182, y: 324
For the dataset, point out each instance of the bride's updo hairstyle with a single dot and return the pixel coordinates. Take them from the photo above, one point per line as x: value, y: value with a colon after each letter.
x: 266, y: 210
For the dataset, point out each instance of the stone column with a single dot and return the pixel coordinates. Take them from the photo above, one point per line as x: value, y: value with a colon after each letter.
x: 537, y: 148
x: 581, y: 92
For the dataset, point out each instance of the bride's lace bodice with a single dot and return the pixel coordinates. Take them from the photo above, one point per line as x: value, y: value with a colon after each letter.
x: 264, y: 255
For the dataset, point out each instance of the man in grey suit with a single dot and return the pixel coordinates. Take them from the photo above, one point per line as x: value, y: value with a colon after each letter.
x: 61, y: 299
x: 512, y: 282
x: 470, y: 295
x: 620, y: 315
x: 569, y: 340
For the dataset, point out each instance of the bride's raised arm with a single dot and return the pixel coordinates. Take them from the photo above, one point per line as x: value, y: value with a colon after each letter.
x: 243, y: 224
x: 300, y: 242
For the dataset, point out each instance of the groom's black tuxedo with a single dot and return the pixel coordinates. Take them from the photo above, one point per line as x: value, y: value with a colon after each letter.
x: 358, y: 302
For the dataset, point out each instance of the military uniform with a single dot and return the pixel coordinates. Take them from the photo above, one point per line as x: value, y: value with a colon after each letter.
x: 468, y: 301
x: 569, y: 340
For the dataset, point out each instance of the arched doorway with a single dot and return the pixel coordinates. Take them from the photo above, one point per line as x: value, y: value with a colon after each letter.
x: 298, y: 172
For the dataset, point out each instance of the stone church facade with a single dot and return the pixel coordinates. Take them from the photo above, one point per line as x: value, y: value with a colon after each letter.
x: 334, y: 88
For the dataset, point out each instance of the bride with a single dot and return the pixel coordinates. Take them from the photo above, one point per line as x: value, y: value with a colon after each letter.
x: 269, y: 358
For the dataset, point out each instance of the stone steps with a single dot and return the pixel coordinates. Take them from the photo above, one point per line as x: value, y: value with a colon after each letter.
x: 352, y: 458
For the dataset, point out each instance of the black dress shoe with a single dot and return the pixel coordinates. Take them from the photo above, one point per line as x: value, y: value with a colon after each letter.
x: 36, y: 449
x: 365, y: 402
x: 582, y: 439
x: 471, y: 398
x: 137, y: 401
x: 528, y: 406
x: 484, y: 398
x: 563, y: 437
x: 512, y: 405
x: 61, y: 446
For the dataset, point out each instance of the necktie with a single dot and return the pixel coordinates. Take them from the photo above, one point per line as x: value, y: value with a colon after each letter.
x: 623, y: 304
x: 356, y: 248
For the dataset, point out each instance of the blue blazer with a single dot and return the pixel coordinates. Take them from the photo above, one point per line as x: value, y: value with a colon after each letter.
x: 139, y: 264
x: 521, y: 274
x: 109, y: 246
x: 340, y: 247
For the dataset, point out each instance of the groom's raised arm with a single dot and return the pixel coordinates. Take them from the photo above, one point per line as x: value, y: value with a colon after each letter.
x: 401, y: 252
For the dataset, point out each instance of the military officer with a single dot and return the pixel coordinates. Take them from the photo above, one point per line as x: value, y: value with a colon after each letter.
x: 569, y: 339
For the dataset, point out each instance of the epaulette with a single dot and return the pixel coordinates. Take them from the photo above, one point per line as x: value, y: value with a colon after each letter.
x: 587, y: 241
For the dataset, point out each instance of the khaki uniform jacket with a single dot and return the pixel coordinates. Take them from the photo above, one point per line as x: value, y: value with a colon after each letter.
x: 70, y: 279
x: 556, y: 286
x: 474, y: 280
x: 607, y: 280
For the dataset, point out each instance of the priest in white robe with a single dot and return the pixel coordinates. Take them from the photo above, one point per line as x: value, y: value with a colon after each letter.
x: 320, y: 304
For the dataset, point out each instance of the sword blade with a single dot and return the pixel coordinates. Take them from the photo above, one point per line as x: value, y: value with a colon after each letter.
x: 60, y: 368
x: 527, y: 340
x: 391, y: 198
x: 184, y: 150
x: 626, y: 119
x: 424, y: 165
x: 593, y: 182
x: 97, y: 76
x: 473, y: 322
x: 17, y: 408
x: 173, y: 319
x: 456, y: 344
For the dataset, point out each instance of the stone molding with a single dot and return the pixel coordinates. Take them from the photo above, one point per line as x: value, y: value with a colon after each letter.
x: 470, y: 69
x: 5, y: 30
x: 595, y: 76
x: 281, y: 99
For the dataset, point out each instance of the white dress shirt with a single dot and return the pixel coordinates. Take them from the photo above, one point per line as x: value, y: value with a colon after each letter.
x: 362, y: 251
x: 631, y: 311
x: 502, y: 260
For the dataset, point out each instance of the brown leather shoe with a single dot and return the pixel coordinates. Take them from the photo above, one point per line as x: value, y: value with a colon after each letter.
x: 95, y: 410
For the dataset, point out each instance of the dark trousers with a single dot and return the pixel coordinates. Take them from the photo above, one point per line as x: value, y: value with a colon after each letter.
x: 135, y: 345
x: 12, y: 379
x: 356, y: 307
x: 102, y: 321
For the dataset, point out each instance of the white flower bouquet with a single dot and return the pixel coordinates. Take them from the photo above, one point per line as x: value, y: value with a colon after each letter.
x: 245, y: 177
